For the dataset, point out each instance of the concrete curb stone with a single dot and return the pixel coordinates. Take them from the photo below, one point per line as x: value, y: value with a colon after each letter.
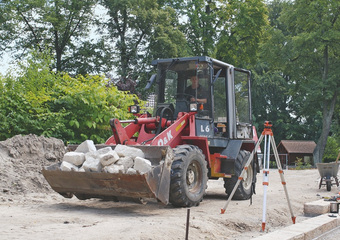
x: 305, y: 230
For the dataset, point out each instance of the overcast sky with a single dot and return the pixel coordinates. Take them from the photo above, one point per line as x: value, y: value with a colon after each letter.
x: 4, y: 63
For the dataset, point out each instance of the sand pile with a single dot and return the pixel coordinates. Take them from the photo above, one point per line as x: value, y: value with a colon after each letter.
x: 21, y: 161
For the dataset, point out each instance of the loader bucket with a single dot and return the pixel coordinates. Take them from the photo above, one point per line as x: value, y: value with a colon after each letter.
x: 84, y: 185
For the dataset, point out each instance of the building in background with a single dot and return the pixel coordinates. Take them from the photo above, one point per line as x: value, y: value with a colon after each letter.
x: 292, y: 150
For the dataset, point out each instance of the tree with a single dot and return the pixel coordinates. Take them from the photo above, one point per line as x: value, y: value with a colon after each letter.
x: 140, y: 30
x: 89, y: 58
x: 270, y: 95
x: 44, y: 25
x: 314, y: 44
x: 272, y: 86
x: 201, y: 26
x: 243, y: 25
x: 215, y: 27
x: 5, y: 27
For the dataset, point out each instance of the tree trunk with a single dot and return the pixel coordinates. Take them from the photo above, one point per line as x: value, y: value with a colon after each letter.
x: 59, y: 67
x: 327, y: 114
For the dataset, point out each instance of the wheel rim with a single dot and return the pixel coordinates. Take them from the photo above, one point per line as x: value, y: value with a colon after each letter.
x: 248, y: 178
x: 194, y: 177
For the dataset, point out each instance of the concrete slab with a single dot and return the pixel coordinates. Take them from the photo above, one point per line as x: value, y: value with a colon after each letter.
x: 316, y: 208
x: 308, y: 229
x: 314, y: 227
x: 282, y: 234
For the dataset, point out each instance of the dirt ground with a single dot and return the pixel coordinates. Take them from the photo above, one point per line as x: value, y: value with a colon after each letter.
x: 29, y: 209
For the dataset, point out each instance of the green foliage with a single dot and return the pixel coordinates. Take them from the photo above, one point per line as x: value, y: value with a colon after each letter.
x: 201, y: 27
x: 89, y: 57
x: 272, y: 164
x: 43, y: 24
x: 24, y: 99
x: 312, y: 47
x: 167, y: 40
x: 90, y: 105
x: 141, y: 30
x: 270, y: 94
x: 227, y: 30
x: 297, y: 71
x: 74, y: 109
x: 331, y: 151
x: 243, y: 29
x: 300, y: 164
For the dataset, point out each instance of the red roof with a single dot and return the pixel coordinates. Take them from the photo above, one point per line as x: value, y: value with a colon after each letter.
x: 298, y: 146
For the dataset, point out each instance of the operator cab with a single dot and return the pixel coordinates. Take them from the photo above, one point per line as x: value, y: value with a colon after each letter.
x: 175, y: 85
x: 220, y: 91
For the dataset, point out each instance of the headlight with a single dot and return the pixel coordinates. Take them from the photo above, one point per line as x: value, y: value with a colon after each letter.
x: 193, y: 107
x: 134, y: 109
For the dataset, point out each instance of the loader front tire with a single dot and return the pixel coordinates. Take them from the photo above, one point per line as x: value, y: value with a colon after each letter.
x: 244, y: 189
x: 188, y: 176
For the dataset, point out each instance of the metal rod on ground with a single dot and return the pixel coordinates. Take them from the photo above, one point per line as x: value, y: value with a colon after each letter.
x: 187, y: 226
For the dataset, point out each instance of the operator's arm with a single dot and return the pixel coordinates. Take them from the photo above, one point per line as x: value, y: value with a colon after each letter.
x: 202, y: 95
x: 199, y: 100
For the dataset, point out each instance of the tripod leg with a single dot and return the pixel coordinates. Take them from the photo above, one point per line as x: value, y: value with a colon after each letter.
x: 282, y: 178
x: 242, y: 174
x: 265, y: 178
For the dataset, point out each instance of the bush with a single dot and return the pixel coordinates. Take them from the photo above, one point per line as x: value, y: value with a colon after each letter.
x: 300, y: 164
x: 331, y: 151
x: 42, y: 102
x: 90, y: 105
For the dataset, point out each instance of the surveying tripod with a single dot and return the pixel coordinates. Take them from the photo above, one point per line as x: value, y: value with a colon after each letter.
x: 268, y: 136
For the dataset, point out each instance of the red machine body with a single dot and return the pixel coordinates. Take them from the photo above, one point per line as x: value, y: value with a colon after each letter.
x: 200, y: 129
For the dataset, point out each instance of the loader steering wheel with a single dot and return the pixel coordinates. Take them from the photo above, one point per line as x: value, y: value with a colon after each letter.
x: 162, y: 115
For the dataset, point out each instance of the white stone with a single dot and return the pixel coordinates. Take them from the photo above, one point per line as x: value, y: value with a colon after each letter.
x: 92, y: 164
x: 92, y: 154
x: 127, y: 162
x: 76, y: 158
x: 81, y: 169
x: 109, y: 158
x: 103, y: 150
x: 142, y: 165
x: 114, y: 168
x: 131, y: 171
x: 86, y: 146
x: 126, y: 151
x: 67, y: 167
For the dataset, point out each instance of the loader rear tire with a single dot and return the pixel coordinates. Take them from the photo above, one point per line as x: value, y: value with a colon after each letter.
x: 188, y: 176
x: 244, y: 190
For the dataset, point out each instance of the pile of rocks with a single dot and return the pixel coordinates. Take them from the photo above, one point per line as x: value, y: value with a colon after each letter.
x: 123, y: 159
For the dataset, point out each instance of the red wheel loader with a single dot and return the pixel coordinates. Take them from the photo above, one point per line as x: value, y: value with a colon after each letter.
x: 198, y: 131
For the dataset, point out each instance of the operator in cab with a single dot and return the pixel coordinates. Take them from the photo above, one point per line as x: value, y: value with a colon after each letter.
x: 201, y: 92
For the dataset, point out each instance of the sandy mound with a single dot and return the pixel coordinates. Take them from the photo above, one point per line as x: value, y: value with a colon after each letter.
x: 21, y: 161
